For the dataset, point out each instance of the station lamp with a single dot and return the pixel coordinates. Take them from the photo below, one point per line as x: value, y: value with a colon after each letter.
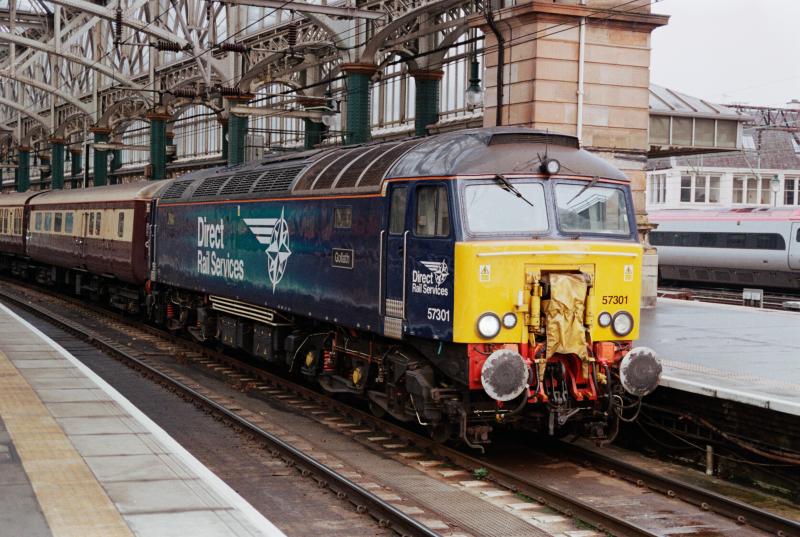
x: 474, y: 94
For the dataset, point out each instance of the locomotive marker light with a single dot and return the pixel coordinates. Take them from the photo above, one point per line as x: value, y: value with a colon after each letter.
x: 509, y: 320
x: 551, y: 166
x: 622, y: 323
x: 640, y: 371
x: 504, y: 375
x: 488, y: 325
x: 604, y: 319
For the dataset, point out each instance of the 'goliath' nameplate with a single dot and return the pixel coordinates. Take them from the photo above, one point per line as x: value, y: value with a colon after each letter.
x: 342, y: 258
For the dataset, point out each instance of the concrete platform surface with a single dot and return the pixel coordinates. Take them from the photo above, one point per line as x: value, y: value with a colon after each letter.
x: 730, y: 352
x: 78, y: 459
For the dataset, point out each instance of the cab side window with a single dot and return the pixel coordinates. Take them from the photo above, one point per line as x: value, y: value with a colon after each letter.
x: 432, y: 216
x: 397, y: 214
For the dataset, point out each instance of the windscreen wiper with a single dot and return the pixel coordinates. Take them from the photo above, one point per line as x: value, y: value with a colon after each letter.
x: 511, y: 188
x: 589, y: 185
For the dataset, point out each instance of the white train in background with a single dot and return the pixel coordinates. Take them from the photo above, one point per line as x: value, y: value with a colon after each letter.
x: 746, y: 247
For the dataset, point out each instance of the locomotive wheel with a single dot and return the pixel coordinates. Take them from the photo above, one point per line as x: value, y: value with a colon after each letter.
x: 440, y: 432
x: 377, y: 410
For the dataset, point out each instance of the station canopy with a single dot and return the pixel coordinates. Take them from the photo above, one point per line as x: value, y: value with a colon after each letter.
x: 685, y: 125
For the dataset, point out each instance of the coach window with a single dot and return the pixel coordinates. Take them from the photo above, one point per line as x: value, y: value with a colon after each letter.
x: 433, y: 215
x: 18, y: 221
x: 397, y: 214
x: 57, y: 221
x: 121, y: 225
x: 68, y: 222
x: 48, y: 221
x: 97, y: 223
x: 38, y: 224
x: 91, y: 223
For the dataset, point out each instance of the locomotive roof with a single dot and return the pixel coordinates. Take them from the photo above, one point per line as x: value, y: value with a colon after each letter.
x: 140, y: 190
x: 364, y: 168
x: 17, y: 198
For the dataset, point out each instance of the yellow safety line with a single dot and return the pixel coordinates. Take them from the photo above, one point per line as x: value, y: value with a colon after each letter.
x: 73, y: 502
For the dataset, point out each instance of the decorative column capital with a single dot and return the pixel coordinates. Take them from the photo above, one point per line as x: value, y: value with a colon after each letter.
x: 424, y: 74
x: 359, y: 68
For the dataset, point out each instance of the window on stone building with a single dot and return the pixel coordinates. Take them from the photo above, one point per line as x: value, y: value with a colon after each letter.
x: 686, y: 188
x: 656, y: 189
x: 791, y: 191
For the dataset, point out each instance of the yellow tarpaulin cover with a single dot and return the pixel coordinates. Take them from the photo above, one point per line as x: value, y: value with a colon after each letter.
x: 564, y: 315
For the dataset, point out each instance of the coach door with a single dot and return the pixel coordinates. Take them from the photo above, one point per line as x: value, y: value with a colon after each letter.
x: 794, y: 247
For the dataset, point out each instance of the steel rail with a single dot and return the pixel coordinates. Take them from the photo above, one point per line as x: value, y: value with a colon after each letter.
x: 706, y: 500
x: 365, y: 501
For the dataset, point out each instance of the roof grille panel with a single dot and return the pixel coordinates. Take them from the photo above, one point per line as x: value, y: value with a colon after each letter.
x: 374, y: 174
x: 241, y: 182
x: 350, y: 176
x: 533, y: 138
x: 326, y: 179
x: 278, y: 179
x: 307, y: 179
x: 176, y: 189
x: 211, y: 186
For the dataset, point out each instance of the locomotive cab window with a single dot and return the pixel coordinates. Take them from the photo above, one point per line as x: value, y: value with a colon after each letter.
x: 121, y: 225
x: 397, y: 214
x: 526, y: 214
x: 432, y: 214
x: 592, y: 209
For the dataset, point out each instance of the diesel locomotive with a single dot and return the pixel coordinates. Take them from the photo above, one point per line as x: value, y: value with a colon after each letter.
x: 461, y: 281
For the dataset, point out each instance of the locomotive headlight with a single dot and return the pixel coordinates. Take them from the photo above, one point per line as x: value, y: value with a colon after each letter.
x: 604, y: 319
x: 509, y: 320
x: 488, y: 325
x: 551, y: 166
x: 622, y: 323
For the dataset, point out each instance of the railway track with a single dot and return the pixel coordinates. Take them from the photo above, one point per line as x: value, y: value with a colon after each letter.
x: 772, y: 301
x: 257, y: 380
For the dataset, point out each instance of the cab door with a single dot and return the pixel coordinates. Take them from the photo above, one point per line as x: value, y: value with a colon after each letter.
x: 794, y: 247
x: 394, y: 244
x: 430, y: 262
x: 419, y: 262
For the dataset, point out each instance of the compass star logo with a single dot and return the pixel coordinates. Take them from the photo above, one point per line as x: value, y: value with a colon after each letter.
x: 274, y: 234
x: 439, y: 270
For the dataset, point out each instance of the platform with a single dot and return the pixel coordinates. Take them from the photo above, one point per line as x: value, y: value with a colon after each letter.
x: 78, y: 459
x: 729, y: 352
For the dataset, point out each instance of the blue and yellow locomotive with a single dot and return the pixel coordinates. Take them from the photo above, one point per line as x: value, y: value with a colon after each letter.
x: 460, y: 280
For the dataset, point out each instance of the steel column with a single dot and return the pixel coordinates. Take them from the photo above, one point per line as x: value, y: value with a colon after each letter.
x: 100, y: 156
x: 426, y: 108
x: 237, y: 131
x: 158, y: 145
x: 57, y: 163
x: 23, y: 168
x: 77, y: 166
x: 358, y: 93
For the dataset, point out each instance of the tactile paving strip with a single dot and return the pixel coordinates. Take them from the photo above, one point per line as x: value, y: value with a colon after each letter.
x: 73, y: 502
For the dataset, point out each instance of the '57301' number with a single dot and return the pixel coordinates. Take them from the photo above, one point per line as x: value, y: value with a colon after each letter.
x: 615, y: 299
